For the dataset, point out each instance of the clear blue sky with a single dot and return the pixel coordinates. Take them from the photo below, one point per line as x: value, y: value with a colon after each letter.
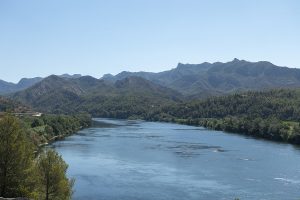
x: 39, y: 38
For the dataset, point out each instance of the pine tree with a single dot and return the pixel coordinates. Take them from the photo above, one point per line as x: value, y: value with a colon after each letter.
x: 51, y: 174
x: 16, y: 159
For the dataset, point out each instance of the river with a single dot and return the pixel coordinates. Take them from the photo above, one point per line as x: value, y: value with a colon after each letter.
x: 138, y: 160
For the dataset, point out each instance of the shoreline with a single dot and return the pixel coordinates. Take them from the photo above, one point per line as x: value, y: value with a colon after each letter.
x: 60, y: 137
x: 184, y: 122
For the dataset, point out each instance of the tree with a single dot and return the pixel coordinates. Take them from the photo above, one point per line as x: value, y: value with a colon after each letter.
x: 51, y: 174
x: 16, y: 159
x: 37, y: 122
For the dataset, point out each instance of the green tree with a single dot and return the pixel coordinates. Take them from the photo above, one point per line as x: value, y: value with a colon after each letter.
x: 37, y: 122
x: 51, y: 174
x: 16, y: 159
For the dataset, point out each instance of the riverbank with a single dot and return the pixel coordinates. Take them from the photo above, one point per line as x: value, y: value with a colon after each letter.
x: 49, y: 128
x: 61, y: 137
x: 271, y: 129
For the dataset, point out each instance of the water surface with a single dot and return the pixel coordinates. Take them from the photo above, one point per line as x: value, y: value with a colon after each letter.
x: 137, y: 160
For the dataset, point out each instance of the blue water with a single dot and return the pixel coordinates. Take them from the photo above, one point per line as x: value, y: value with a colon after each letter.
x: 137, y: 160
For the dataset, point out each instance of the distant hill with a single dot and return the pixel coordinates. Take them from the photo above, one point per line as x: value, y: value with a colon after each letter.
x: 49, y: 92
x: 131, y: 95
x: 198, y: 80
x: 208, y: 79
x: 7, y: 87
x: 24, y: 83
x: 70, y: 76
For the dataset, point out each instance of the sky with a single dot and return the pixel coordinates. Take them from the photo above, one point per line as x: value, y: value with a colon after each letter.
x: 95, y: 37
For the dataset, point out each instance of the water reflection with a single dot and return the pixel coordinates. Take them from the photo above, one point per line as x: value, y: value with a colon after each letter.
x: 119, y: 159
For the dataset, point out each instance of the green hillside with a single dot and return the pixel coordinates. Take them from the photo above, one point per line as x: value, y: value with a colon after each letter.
x: 127, y: 97
x: 273, y: 114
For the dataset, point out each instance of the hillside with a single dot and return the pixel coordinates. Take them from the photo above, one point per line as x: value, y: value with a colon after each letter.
x: 209, y: 79
x: 7, y: 87
x: 87, y: 94
x: 8, y: 105
x: 273, y: 114
x: 24, y: 83
x: 50, y: 92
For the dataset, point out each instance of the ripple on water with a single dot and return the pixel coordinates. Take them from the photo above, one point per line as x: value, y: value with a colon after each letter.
x: 137, y: 160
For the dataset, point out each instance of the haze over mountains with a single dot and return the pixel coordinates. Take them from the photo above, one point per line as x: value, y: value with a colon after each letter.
x: 186, y: 81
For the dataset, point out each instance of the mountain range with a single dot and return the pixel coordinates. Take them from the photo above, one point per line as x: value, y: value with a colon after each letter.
x: 208, y: 79
x: 185, y: 94
x: 24, y: 83
x: 138, y: 91
x: 8, y: 87
x: 60, y: 95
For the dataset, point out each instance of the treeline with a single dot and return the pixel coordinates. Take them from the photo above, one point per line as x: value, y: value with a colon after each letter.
x: 283, y: 104
x: 269, y: 128
x: 51, y: 127
x: 273, y: 114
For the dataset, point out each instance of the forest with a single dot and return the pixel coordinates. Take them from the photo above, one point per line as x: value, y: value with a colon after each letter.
x: 50, y: 127
x: 26, y: 170
x: 272, y: 114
